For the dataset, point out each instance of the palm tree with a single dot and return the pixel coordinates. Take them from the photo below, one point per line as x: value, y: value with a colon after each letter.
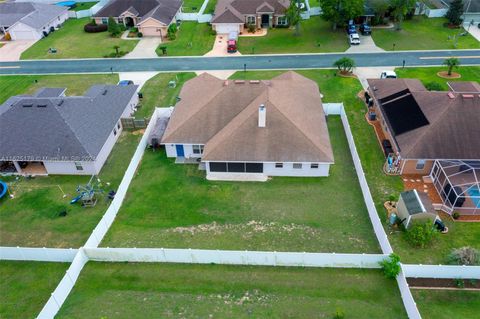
x: 345, y: 65
x: 451, y: 63
x: 293, y: 15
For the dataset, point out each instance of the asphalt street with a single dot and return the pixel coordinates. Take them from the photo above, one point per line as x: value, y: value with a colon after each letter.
x: 250, y: 62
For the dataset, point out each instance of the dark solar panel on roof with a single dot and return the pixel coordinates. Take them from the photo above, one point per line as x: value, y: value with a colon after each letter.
x: 394, y: 96
x: 404, y: 115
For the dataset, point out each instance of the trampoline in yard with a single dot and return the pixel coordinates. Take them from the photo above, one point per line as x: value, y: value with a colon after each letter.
x: 3, y: 189
x: 69, y: 4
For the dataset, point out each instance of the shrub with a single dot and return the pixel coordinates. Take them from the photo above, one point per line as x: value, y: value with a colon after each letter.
x: 339, y: 314
x: 391, y: 266
x: 421, y: 234
x: 172, y: 31
x: 460, y: 283
x: 134, y: 29
x: 251, y: 28
x: 8, y: 37
x: 113, y: 27
x: 434, y: 86
x: 139, y: 34
x: 95, y: 28
x: 464, y: 256
x: 456, y: 215
x: 93, y: 22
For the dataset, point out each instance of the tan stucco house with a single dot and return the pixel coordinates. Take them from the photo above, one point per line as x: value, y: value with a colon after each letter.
x: 151, y: 17
x: 236, y: 15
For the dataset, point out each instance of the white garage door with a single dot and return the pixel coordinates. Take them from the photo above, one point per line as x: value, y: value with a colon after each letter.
x: 227, y: 28
x: 23, y: 35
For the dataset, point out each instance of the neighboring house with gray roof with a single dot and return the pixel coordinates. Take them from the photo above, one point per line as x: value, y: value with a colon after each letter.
x: 236, y: 15
x: 151, y: 17
x: 251, y: 128
x: 30, y: 20
x: 50, y: 133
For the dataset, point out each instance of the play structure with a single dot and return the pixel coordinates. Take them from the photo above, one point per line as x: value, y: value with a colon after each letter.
x: 3, y: 189
x: 87, y: 194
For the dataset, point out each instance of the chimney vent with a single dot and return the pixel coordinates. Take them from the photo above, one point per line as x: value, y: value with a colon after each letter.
x: 451, y: 95
x: 254, y: 81
x: 467, y: 96
x: 239, y: 82
x: 225, y: 83
x: 262, y: 115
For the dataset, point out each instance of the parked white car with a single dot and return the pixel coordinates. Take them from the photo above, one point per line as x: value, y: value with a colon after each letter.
x: 388, y: 75
x: 354, y: 39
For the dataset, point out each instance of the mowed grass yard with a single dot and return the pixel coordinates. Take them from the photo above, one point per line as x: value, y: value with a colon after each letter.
x: 316, y: 35
x: 72, y: 42
x: 26, y: 286
x: 192, y: 5
x: 337, y: 89
x: 447, y: 304
x: 31, y: 218
x: 83, y: 6
x: 422, y: 33
x: 192, y: 39
x: 157, y: 93
x: 428, y: 75
x: 119, y: 290
x: 171, y: 205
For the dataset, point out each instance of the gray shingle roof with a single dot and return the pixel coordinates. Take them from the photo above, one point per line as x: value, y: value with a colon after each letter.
x: 50, y: 92
x: 35, y: 15
x: 61, y: 128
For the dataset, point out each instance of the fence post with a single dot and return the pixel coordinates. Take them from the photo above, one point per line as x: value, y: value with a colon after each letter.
x: 21, y: 253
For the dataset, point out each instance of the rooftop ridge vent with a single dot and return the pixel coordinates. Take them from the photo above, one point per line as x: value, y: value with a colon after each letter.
x: 27, y: 105
x: 225, y: 83
x: 451, y: 95
x: 467, y: 96
x: 60, y: 102
x: 239, y: 81
x: 41, y: 105
x: 254, y: 81
x: 104, y: 92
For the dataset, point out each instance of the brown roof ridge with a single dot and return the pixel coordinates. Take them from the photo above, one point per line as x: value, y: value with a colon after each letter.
x: 303, y: 131
x: 264, y: 4
x: 201, y: 76
x: 235, y: 123
x: 431, y: 125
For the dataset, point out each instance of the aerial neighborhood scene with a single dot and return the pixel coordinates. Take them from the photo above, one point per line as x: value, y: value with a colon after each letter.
x: 240, y: 159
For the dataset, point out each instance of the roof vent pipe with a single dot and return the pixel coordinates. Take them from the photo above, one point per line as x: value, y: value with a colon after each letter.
x: 262, y: 115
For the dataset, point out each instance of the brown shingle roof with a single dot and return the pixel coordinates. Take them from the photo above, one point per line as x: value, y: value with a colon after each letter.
x: 240, y: 8
x: 453, y: 130
x: 225, y: 119
x: 464, y: 87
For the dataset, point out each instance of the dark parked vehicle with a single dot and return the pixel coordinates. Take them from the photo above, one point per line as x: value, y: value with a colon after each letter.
x: 351, y: 28
x: 365, y: 29
x: 125, y: 82
x: 387, y: 147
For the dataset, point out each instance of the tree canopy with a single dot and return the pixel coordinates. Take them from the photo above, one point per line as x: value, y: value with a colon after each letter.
x: 455, y: 12
x: 400, y: 9
x: 340, y: 11
x: 293, y: 16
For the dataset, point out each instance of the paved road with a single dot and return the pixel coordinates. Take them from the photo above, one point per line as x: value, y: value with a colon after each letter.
x: 293, y: 61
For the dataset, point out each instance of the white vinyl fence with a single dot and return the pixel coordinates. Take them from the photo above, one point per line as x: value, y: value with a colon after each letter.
x: 407, y: 298
x: 338, y: 108
x: 435, y: 13
x: 235, y: 257
x: 37, y: 254
x: 441, y: 271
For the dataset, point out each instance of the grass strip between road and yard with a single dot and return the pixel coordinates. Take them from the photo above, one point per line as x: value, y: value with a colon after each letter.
x: 203, y: 291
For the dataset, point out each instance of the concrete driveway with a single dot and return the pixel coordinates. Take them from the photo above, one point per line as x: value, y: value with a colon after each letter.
x: 473, y: 30
x: 12, y: 50
x: 370, y: 73
x: 220, y: 49
x: 145, y: 48
x: 366, y: 45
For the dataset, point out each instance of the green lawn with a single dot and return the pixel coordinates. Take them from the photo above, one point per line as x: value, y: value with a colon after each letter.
x: 119, y: 290
x: 446, y: 304
x: 72, y: 42
x: 426, y: 75
x: 192, y: 39
x: 30, y: 218
x: 172, y: 205
x: 423, y: 33
x: 192, y: 5
x: 26, y: 286
x: 76, y: 84
x: 316, y: 35
x: 210, y: 9
x: 84, y: 5
x: 337, y: 89
x: 156, y: 92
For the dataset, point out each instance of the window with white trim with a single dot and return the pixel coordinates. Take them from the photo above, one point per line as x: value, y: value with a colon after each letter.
x: 278, y: 165
x: 104, y: 21
x: 314, y: 165
x: 78, y: 166
x: 197, y: 149
x: 297, y: 165
x: 420, y: 165
x: 251, y: 20
x: 282, y: 20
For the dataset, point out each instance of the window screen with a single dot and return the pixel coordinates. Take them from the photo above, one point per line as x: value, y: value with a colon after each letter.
x: 254, y: 167
x: 236, y: 167
x: 218, y: 167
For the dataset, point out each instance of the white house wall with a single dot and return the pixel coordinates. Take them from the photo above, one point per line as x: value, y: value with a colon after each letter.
x: 69, y: 168
x: 22, y: 31
x: 171, y: 150
x: 107, y: 148
x: 130, y: 109
x: 288, y: 170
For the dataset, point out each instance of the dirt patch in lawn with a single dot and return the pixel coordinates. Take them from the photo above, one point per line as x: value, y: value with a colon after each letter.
x: 444, y: 75
x: 444, y: 283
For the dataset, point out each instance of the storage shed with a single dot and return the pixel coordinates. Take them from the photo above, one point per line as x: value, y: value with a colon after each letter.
x: 415, y: 206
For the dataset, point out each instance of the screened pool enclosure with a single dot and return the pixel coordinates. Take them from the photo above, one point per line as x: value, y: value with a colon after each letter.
x: 458, y: 184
